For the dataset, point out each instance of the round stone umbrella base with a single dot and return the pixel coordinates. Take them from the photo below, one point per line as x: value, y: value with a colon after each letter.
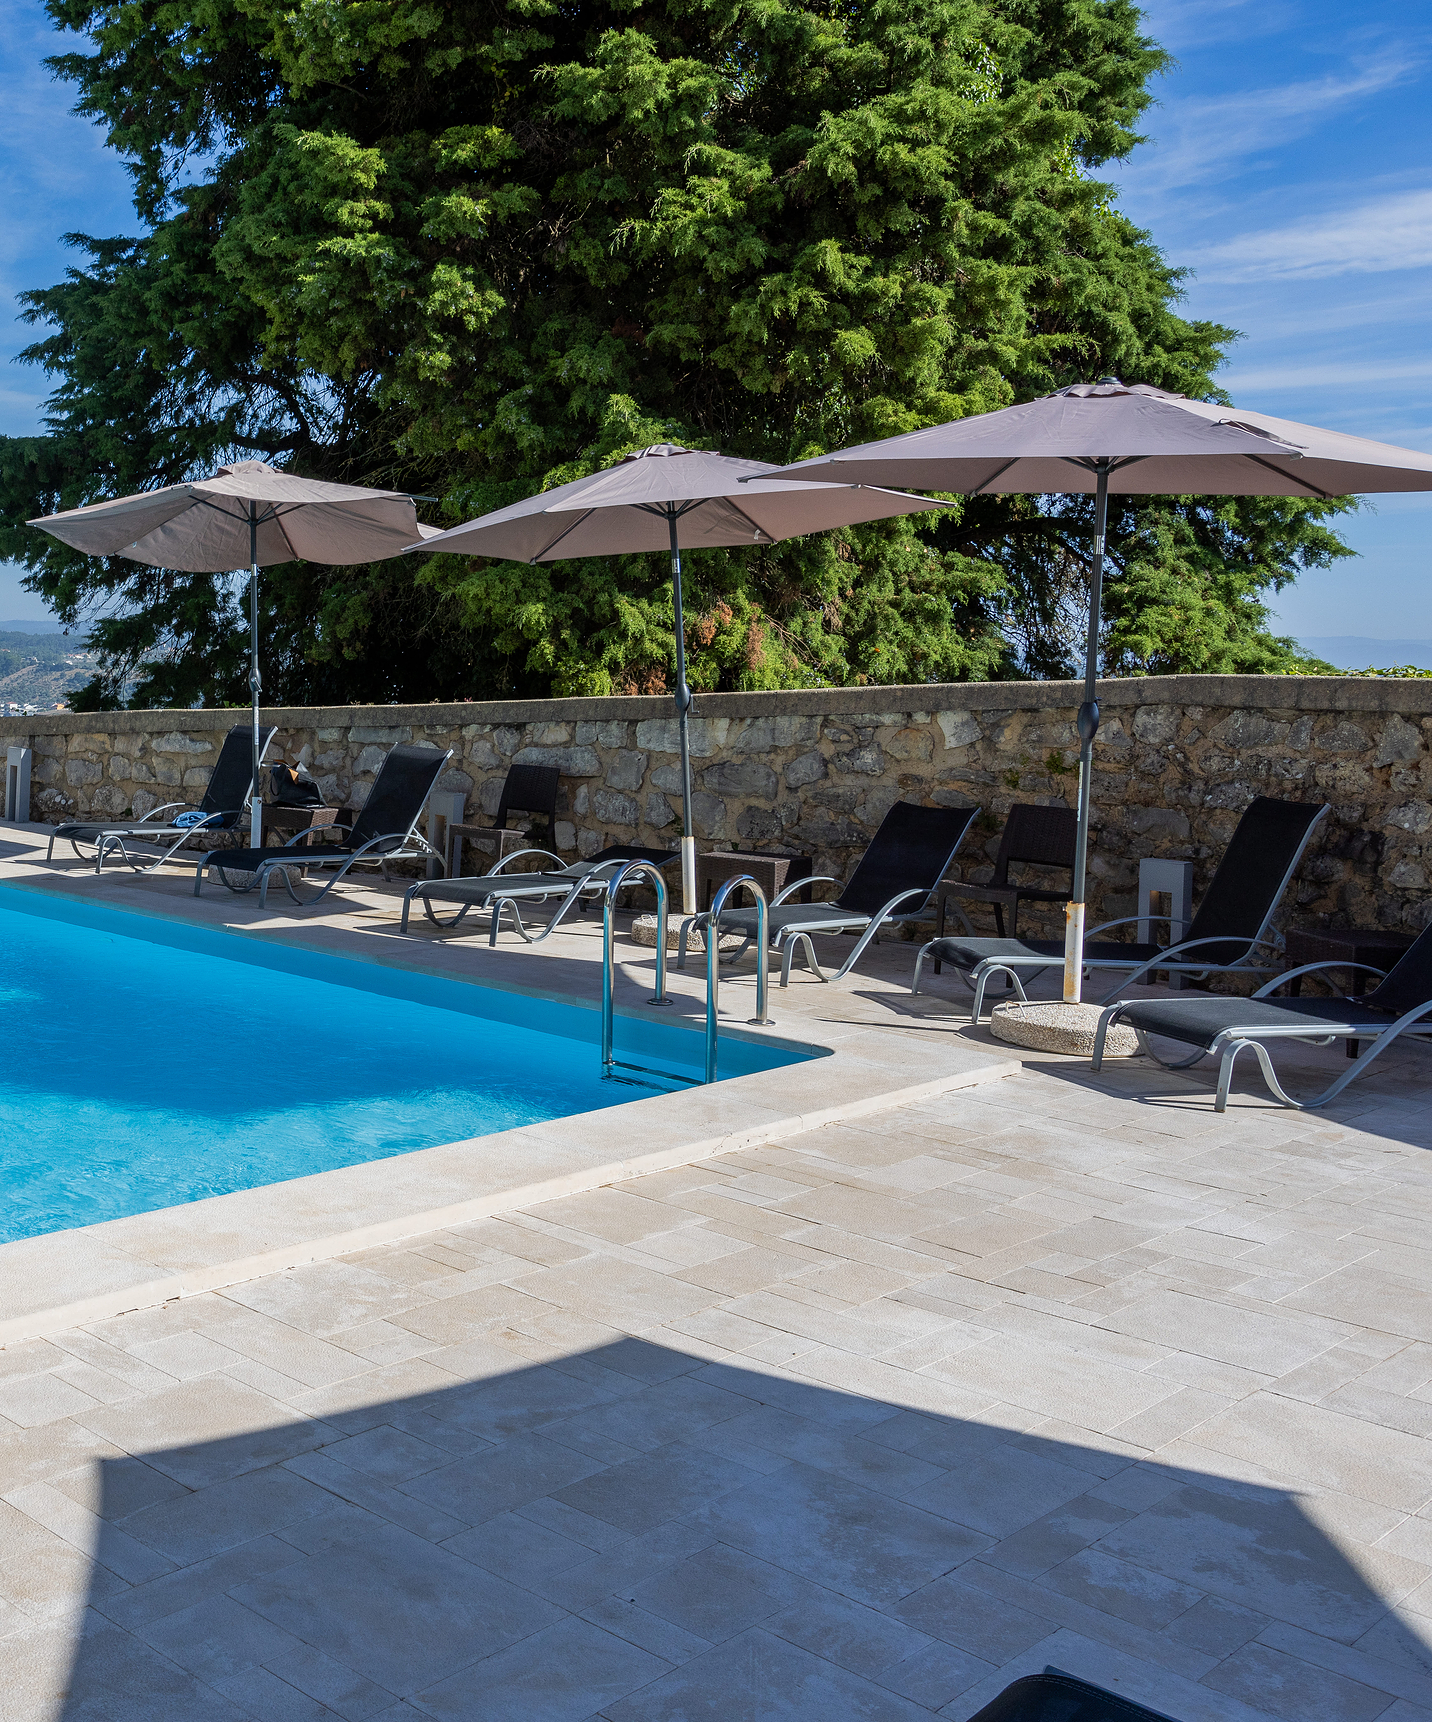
x: 643, y: 932
x: 1059, y: 1027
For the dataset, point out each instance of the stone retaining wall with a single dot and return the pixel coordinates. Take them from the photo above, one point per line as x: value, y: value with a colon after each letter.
x: 1177, y: 760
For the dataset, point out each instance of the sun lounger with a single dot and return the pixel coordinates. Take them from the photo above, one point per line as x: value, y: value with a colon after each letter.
x: 385, y: 830
x: 1228, y: 934
x: 221, y: 809
x: 1224, y: 1027
x: 576, y: 883
x: 905, y: 860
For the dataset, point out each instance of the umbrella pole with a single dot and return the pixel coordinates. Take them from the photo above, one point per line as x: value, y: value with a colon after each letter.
x: 256, y: 818
x: 1088, y: 726
x: 683, y: 710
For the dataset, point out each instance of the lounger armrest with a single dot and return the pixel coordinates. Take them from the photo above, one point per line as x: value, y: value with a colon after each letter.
x: 800, y: 885
x: 1125, y: 921
x: 517, y: 855
x: 889, y: 908
x: 154, y: 812
x: 1310, y: 968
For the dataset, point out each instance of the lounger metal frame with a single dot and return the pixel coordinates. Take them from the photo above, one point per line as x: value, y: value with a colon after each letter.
x: 1237, y: 1038
x: 572, y: 883
x: 790, y: 939
x: 111, y: 840
x: 409, y: 845
x: 1250, y: 963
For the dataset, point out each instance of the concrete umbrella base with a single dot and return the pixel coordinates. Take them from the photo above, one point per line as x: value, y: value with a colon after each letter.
x: 643, y: 932
x: 1059, y: 1027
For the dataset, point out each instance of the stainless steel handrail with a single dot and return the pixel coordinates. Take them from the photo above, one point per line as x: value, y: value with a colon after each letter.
x: 713, y: 961
x: 610, y: 1063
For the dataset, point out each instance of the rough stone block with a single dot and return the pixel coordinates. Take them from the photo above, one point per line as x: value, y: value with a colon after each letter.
x: 958, y: 728
x: 506, y: 740
x: 765, y: 734
x: 868, y: 760
x: 1401, y: 741
x: 626, y: 770
x: 455, y: 780
x: 197, y: 777
x: 708, y: 814
x: 805, y: 768
x: 741, y: 777
x: 659, y: 812
x: 758, y: 825
x: 385, y: 737
x: 564, y: 835
x: 79, y: 772
x: 1156, y: 725
x: 570, y: 761
x: 1163, y: 824
x: 916, y: 744
x: 370, y: 759
x: 707, y: 736
x: 614, y: 808
x: 548, y: 735
x: 1413, y: 816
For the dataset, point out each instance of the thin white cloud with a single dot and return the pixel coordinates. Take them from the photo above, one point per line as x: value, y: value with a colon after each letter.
x: 1381, y: 234
x: 1199, y: 140
x: 1309, y: 374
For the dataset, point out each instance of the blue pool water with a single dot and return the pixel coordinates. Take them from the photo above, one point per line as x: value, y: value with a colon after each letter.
x: 145, y: 1063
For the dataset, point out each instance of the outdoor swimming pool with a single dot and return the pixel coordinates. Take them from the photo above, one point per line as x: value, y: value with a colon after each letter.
x: 145, y: 1062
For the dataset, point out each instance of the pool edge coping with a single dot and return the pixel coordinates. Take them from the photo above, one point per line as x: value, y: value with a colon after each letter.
x: 169, y: 1288
x: 148, y: 1289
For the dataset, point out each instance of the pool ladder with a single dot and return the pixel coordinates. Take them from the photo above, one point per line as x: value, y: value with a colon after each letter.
x: 632, y: 869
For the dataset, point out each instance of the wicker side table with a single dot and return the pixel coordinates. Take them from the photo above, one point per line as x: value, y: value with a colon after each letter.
x: 1347, y: 945
x: 772, y: 871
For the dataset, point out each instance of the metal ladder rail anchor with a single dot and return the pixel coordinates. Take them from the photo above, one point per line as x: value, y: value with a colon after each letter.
x: 610, y: 1063
x: 713, y: 959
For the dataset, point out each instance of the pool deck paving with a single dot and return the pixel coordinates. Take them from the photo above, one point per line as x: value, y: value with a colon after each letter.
x: 862, y: 1423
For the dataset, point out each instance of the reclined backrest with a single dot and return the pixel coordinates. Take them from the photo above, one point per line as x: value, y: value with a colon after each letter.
x: 403, y: 784
x: 1038, y: 836
x: 233, y: 773
x: 528, y: 789
x: 1409, y: 980
x: 912, y: 850
x: 1249, y: 882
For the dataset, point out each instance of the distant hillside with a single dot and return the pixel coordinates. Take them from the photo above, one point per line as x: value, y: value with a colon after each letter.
x: 42, y: 669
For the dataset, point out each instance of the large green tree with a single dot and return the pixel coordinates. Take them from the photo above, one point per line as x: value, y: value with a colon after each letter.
x: 476, y: 247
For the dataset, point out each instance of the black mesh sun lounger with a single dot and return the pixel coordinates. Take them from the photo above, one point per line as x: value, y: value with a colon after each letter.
x: 385, y: 830
x: 1225, y: 1027
x: 906, y: 859
x: 1055, y: 1696
x: 576, y: 883
x: 225, y: 800
x: 1227, y: 934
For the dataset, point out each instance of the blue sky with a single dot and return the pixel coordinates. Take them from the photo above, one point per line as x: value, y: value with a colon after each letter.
x: 1289, y: 166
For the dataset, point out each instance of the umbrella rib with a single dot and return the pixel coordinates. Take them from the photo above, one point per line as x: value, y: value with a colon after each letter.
x: 552, y: 543
x: 1311, y: 489
x: 998, y: 472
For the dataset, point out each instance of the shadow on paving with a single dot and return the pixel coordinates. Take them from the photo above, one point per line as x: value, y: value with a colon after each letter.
x: 641, y: 1535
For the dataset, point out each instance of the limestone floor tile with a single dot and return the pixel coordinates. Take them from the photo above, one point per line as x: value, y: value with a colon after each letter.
x: 743, y: 1271
x: 934, y: 1676
x: 116, y: 1675
x: 563, y: 1673
x: 1055, y: 1381
x: 500, y: 1479
x: 387, y: 1453
x: 629, y: 1298
x: 803, y: 1519
x: 677, y: 1410
x: 721, y: 1591
x: 1326, y: 1447
x: 222, y: 1515
x: 204, y: 1430
x: 523, y: 1399
x: 645, y: 1492
x: 1133, y: 1593
x: 760, y: 1675
x: 1288, y: 1687
x: 831, y: 1626
x: 324, y: 1297
x: 1259, y: 1550
x: 1273, y: 1342
x: 29, y: 1401
x: 185, y: 1355
x: 396, y: 1609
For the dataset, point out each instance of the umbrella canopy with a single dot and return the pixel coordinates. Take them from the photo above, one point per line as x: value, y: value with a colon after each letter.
x: 1156, y: 444
x: 246, y: 515
x: 671, y: 498
x: 1135, y: 441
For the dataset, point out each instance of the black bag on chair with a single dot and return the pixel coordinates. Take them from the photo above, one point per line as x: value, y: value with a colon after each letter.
x: 293, y: 787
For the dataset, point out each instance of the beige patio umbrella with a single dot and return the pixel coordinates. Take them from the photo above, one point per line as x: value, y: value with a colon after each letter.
x: 670, y: 498
x: 1135, y: 441
x: 246, y: 515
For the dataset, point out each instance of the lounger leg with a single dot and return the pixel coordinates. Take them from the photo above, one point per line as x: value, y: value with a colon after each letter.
x: 919, y: 964
x: 1231, y: 1049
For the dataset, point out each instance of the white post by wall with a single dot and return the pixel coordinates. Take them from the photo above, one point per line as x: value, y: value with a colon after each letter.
x: 445, y: 809
x: 17, y: 785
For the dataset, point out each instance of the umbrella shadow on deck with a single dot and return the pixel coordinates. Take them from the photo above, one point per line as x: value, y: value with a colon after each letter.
x: 635, y: 1533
